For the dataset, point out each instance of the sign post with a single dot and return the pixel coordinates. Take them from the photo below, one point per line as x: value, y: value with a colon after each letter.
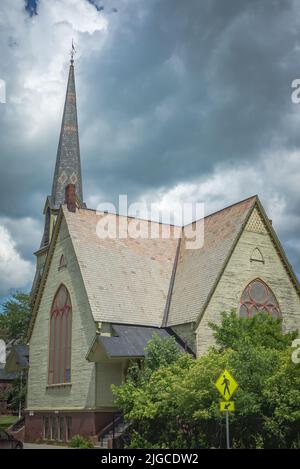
x: 226, y: 385
x: 227, y: 431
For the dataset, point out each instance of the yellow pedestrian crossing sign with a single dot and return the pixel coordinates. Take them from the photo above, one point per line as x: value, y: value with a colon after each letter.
x: 227, y: 406
x: 226, y: 385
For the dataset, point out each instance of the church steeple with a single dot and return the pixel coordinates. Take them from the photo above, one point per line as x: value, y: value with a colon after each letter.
x: 67, y: 182
x: 68, y: 167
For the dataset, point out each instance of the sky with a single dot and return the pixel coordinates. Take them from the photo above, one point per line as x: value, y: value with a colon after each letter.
x: 178, y: 101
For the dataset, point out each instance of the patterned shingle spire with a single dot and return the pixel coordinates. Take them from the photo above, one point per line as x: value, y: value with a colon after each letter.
x: 68, y: 168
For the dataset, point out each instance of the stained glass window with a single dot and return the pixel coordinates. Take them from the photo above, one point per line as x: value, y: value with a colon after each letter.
x: 258, y: 297
x: 60, y: 338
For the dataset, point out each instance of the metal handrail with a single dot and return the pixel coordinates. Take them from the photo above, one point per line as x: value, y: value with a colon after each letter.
x: 110, y: 426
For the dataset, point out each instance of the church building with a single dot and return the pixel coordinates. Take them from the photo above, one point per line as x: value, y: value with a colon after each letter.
x: 96, y: 302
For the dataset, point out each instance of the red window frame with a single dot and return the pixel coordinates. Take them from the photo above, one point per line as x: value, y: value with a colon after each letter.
x: 269, y: 304
x: 59, y: 366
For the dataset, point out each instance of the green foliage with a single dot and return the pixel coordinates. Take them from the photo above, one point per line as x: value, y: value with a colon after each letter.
x: 173, y: 402
x: 16, y: 392
x: 160, y: 353
x: 15, y: 317
x: 78, y: 441
x: 260, y: 330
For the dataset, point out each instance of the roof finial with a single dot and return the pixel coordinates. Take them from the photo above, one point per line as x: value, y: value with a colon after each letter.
x: 73, y: 52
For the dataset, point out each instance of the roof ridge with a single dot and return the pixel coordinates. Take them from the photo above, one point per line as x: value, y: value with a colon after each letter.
x: 254, y: 197
x: 127, y: 216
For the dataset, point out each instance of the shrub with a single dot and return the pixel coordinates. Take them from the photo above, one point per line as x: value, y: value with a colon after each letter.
x: 81, y: 442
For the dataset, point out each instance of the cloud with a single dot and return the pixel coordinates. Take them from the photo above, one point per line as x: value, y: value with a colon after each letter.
x: 15, y: 272
x: 175, y: 100
x: 275, y: 179
x: 35, y: 56
x: 26, y: 232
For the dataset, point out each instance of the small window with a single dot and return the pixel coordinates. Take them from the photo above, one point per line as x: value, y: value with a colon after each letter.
x: 54, y: 428
x: 47, y: 227
x: 62, y: 262
x: 46, y: 428
x: 69, y: 428
x: 257, y: 256
x: 62, y: 435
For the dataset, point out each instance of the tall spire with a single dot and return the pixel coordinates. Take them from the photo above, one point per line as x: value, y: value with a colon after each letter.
x: 68, y: 167
x: 67, y: 182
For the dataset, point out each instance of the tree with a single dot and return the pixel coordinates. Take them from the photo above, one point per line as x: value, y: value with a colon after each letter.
x: 176, y: 405
x: 145, y: 397
x: 16, y: 394
x: 15, y: 317
x: 14, y: 322
x: 260, y: 330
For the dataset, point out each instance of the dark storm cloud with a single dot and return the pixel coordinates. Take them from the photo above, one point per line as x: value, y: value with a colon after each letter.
x: 223, y: 69
x: 202, y: 82
x: 175, y: 90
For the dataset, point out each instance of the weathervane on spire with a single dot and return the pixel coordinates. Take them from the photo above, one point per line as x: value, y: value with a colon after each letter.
x: 72, y: 53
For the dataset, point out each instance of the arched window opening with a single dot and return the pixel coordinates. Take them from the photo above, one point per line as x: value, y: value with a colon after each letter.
x: 256, y: 298
x: 62, y: 262
x: 257, y: 256
x: 60, y: 338
x: 47, y: 227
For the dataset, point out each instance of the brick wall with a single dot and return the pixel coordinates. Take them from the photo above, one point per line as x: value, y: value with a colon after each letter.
x: 87, y: 424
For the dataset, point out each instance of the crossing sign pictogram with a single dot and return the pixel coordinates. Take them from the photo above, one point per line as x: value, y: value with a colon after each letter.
x: 227, y: 406
x: 226, y: 385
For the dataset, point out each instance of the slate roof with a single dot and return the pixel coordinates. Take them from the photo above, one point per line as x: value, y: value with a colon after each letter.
x: 68, y: 166
x: 130, y: 341
x: 129, y: 280
x: 22, y: 355
x: 198, y: 270
x: 4, y: 375
x: 126, y: 280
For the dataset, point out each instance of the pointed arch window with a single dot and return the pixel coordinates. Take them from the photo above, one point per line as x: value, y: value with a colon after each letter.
x: 62, y: 262
x: 47, y: 227
x: 258, y: 297
x: 257, y: 256
x: 60, y: 338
